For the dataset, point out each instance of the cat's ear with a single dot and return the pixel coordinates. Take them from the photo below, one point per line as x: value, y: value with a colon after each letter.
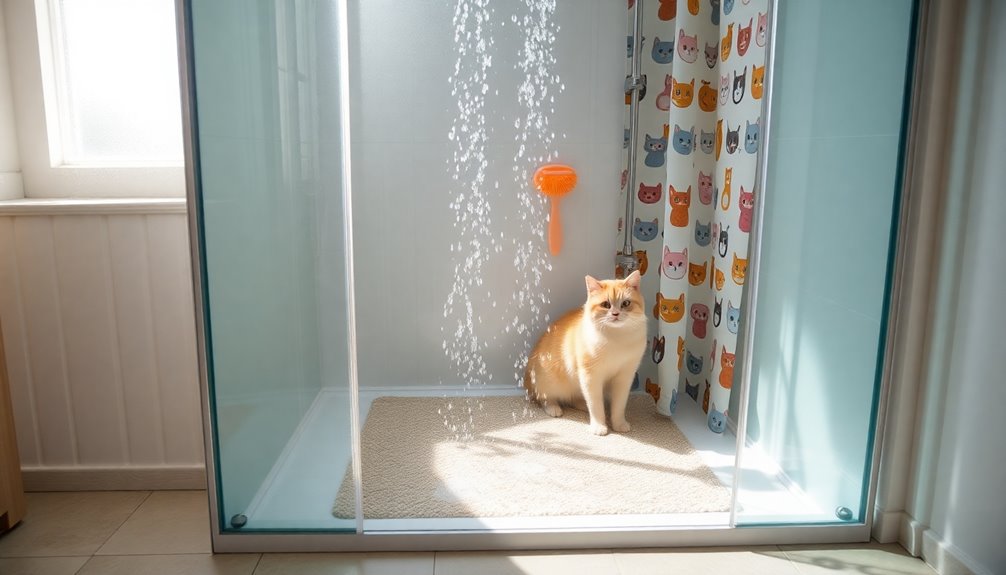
x: 633, y: 280
x: 593, y: 285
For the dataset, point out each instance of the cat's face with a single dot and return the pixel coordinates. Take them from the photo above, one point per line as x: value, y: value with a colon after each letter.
x: 720, y: 279
x: 724, y: 89
x: 728, y: 6
x: 717, y: 420
x: 674, y: 264
x: 739, y: 270
x: 739, y: 82
x: 724, y: 241
x: 693, y: 363
x: 658, y: 349
x: 662, y: 52
x: 707, y: 97
x: 733, y: 139
x: 733, y: 317
x: 705, y: 188
x: 653, y: 389
x: 717, y: 314
x: 757, y: 81
x: 688, y: 46
x: 655, y: 144
x: 751, y: 136
x: 681, y: 199
x: 683, y: 140
x: 744, y: 38
x: 670, y: 310
x: 727, y: 360
x: 697, y: 273
x: 727, y: 42
x: 703, y: 234
x: 712, y: 53
x: 615, y: 304
x: 706, y: 141
x: 681, y: 93
x: 649, y: 194
x: 646, y: 231
x: 746, y: 200
x: 699, y: 312
x: 762, y: 32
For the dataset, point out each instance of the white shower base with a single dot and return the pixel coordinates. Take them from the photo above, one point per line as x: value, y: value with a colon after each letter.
x: 301, y: 488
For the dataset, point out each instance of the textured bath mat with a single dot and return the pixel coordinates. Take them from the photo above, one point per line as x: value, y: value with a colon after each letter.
x: 522, y: 463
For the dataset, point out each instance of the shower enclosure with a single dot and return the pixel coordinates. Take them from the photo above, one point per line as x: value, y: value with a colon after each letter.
x: 365, y: 236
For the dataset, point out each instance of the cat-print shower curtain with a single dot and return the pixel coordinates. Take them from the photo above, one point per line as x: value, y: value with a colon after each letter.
x: 698, y: 141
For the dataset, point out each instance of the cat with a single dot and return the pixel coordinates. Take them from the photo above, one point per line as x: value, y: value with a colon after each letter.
x: 717, y: 313
x: 702, y: 234
x: 739, y: 82
x: 762, y: 30
x: 658, y: 349
x: 705, y: 397
x: 642, y: 262
x: 707, y: 97
x: 757, y: 81
x: 697, y: 273
x: 738, y: 270
x: 728, y: 175
x: 694, y: 363
x: 693, y: 7
x: 728, y: 7
x: 714, y: 14
x: 706, y: 141
x: 674, y: 401
x: 726, y: 369
x: 744, y: 37
x: 733, y: 139
x: 674, y: 264
x: 712, y: 52
x: 668, y: 10
x: 650, y: 194
x: 669, y: 310
x: 681, y: 351
x: 705, y: 188
x: 724, y: 89
x: 664, y: 97
x: 728, y: 39
x: 656, y: 148
x: 652, y: 389
x: 746, y: 203
x: 679, y: 206
x: 681, y: 93
x: 719, y: 138
x: 682, y: 142
x: 662, y: 52
x: 592, y: 352
x: 751, y: 136
x: 688, y: 46
x: 724, y: 241
x: 720, y: 280
x: 700, y: 319
x: 692, y: 390
x: 646, y: 231
x: 717, y: 420
x: 733, y: 317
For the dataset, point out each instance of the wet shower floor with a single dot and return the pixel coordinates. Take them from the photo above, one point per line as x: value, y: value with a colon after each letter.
x: 299, y: 491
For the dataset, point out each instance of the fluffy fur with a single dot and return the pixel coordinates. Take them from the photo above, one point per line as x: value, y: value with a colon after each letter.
x: 591, y: 354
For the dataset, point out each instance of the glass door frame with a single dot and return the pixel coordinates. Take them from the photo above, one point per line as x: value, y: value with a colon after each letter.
x: 565, y: 538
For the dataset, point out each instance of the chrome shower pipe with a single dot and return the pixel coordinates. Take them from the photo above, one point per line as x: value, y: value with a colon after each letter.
x: 635, y: 83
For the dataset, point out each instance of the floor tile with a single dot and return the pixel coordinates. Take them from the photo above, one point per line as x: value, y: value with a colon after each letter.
x: 168, y: 522
x: 41, y: 565
x: 170, y: 565
x: 69, y: 524
x: 532, y: 563
x: 712, y: 560
x: 346, y: 563
x: 872, y: 558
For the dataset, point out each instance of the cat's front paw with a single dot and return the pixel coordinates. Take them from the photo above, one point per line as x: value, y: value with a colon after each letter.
x: 621, y: 427
x: 599, y: 429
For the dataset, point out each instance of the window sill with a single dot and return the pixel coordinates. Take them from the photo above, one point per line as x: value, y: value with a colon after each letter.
x: 92, y: 206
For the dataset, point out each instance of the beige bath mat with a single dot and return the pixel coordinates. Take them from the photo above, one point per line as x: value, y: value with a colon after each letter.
x: 522, y: 463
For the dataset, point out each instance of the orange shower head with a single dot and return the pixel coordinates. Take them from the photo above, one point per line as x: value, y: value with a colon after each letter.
x: 555, y: 181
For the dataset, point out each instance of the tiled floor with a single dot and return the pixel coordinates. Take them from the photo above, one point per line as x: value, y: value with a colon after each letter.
x: 167, y: 532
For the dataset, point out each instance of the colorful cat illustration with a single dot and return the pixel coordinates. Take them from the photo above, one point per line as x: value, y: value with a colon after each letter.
x: 724, y: 90
x: 762, y: 31
x: 719, y: 138
x: 646, y: 231
x: 717, y: 420
x: 727, y: 40
x: 658, y: 349
x: 653, y: 389
x: 688, y: 46
x: 724, y: 241
x: 702, y: 234
x: 683, y: 141
x: 681, y: 351
x: 712, y: 53
x: 728, y: 7
x: 668, y: 10
x: 733, y: 139
x: 662, y: 52
x: 733, y: 317
x: 705, y: 188
x: 706, y: 141
x: 642, y: 262
x: 649, y: 194
x: 656, y: 149
x: 746, y: 203
x: 694, y: 363
x: 757, y: 81
x: 664, y: 97
x: 744, y: 37
x: 726, y: 369
x: 717, y: 313
x: 669, y: 310
x: 674, y: 265
x: 679, y: 206
x: 751, y: 136
x: 707, y: 97
x: 693, y: 7
x: 728, y: 175
x: 739, y: 270
x: 697, y: 273
x: 692, y: 390
x: 681, y: 93
x: 714, y: 14
x: 721, y: 280
x: 674, y: 401
x: 700, y: 319
x: 739, y: 83
x: 705, y: 398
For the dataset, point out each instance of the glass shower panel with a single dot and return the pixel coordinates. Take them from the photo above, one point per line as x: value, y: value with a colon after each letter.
x: 837, y: 128
x: 271, y: 225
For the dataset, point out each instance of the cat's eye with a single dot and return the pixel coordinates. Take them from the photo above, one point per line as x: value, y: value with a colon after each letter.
x: 606, y: 304
x: 626, y: 304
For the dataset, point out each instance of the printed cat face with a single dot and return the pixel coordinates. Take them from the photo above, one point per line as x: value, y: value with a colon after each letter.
x: 724, y: 241
x: 662, y: 52
x: 705, y: 188
x: 733, y: 139
x: 728, y: 7
x: 726, y: 369
x: 668, y: 9
x: 693, y: 363
x: 656, y: 150
x: 683, y: 141
x: 707, y: 97
x: 757, y: 81
x: 658, y: 349
x: 703, y: 233
x: 700, y: 319
x: 712, y: 54
x: 649, y: 194
x: 714, y: 13
x: 744, y: 38
x: 681, y: 93
x: 706, y: 141
x: 674, y: 264
x: 762, y: 31
x: 688, y: 46
x: 674, y: 401
x: 646, y: 231
x: 692, y: 390
x: 680, y: 199
x: 724, y: 89
x: 697, y: 273
x: 733, y: 317
x: 615, y: 304
x: 655, y: 144
x: 653, y: 389
x: 721, y: 280
x: 751, y: 136
x: 717, y: 420
x: 717, y: 315
x: 669, y: 310
x: 738, y: 270
x: 727, y: 41
x: 739, y: 83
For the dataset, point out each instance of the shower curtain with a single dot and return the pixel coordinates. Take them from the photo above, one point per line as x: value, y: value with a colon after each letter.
x: 698, y: 141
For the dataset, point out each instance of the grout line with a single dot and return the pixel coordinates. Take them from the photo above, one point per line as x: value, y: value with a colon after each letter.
x: 124, y: 521
x: 257, y: 563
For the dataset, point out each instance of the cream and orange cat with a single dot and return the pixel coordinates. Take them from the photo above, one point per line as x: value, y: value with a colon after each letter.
x: 591, y: 354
